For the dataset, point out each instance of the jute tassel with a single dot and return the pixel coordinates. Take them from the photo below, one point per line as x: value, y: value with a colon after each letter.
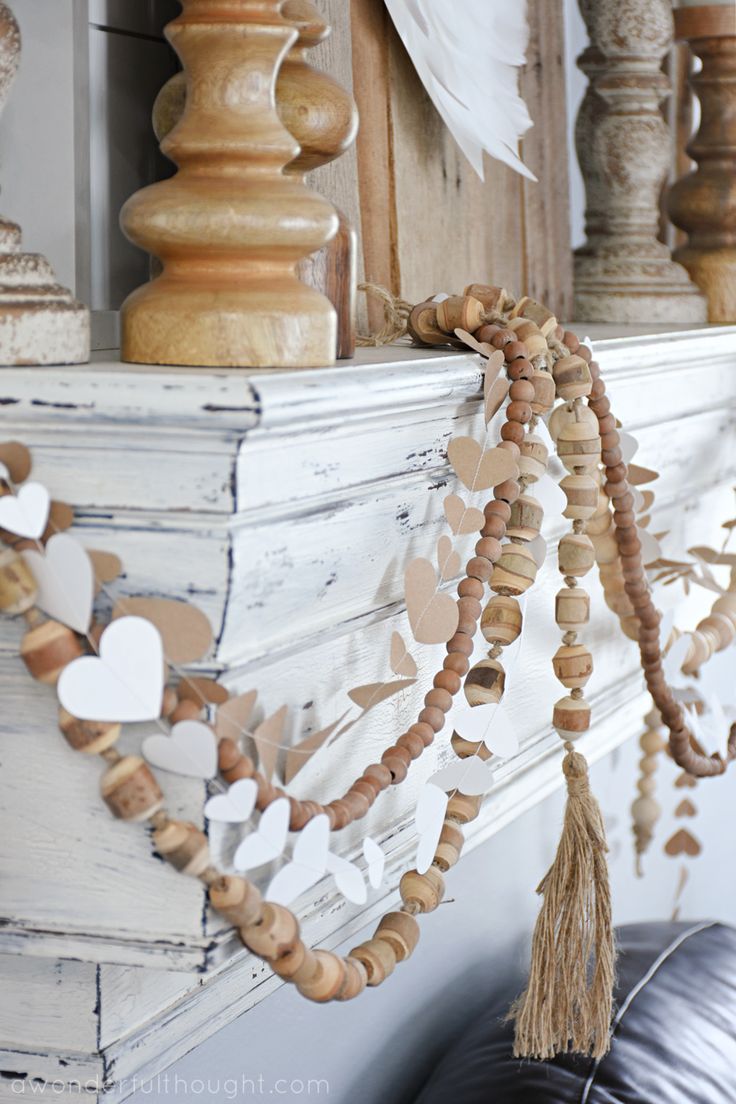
x: 568, y: 1002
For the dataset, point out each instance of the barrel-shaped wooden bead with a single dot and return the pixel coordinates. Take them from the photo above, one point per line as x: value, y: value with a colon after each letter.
x: 544, y: 391
x: 130, y: 790
x: 184, y: 846
x: 573, y: 665
x: 46, y: 649
x: 378, y: 957
x: 582, y: 496
x: 721, y: 628
x: 537, y: 313
x: 274, y: 934
x: 18, y: 588
x: 726, y: 605
x: 575, y: 554
x: 298, y: 965
x: 527, y: 515
x: 328, y: 979
x: 463, y: 808
x: 356, y: 979
x: 565, y: 413
x: 533, y: 457
x: 92, y: 737
x: 579, y: 446
x: 238, y: 900
x: 502, y: 620
x: 529, y: 332
x: 484, y: 683
x: 572, y: 377
x: 492, y: 298
x: 572, y: 608
x: 463, y: 312
x: 422, y: 325
x: 701, y: 650
x: 571, y: 717
x: 401, y: 931
x: 423, y: 891
x: 514, y: 572
x: 449, y: 847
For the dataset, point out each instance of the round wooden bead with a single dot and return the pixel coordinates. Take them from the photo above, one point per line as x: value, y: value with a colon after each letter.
x: 544, y: 391
x: 571, y: 717
x: 582, y: 496
x: 462, y: 808
x: 533, y: 458
x: 514, y: 572
x: 722, y: 627
x: 449, y: 847
x: 484, y: 683
x: 564, y: 413
x: 448, y: 680
x: 578, y: 446
x: 356, y: 979
x: 423, y: 891
x: 47, y: 649
x: 527, y: 515
x: 463, y: 312
x: 401, y: 931
x: 379, y: 773
x: 299, y: 965
x: 529, y: 332
x: 575, y: 554
x: 572, y: 377
x: 274, y: 934
x: 573, y: 665
x: 377, y: 955
x: 232, y: 763
x: 130, y: 790
x: 92, y: 737
x: 572, y: 608
x: 18, y: 588
x: 186, y: 710
x: 502, y: 620
x: 413, y: 744
x: 184, y: 846
x: 422, y: 325
x: 328, y: 980
x: 238, y: 900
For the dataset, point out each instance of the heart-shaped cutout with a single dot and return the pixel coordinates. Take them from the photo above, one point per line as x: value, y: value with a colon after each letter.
x: 682, y: 843
x: 125, y: 684
x: 349, y: 879
x: 65, y: 581
x: 686, y: 808
x: 462, y: 518
x: 190, y: 749
x: 469, y: 776
x: 235, y: 806
x: 495, y: 397
x: 433, y: 616
x: 26, y: 513
x: 269, y: 839
x: 376, y: 859
x: 448, y: 560
x: 16, y: 461
x: 479, y: 469
x: 429, y: 818
x: 684, y: 781
x: 402, y: 662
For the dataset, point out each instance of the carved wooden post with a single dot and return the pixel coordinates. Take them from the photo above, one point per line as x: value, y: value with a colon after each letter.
x: 230, y: 227
x: 703, y: 202
x: 623, y: 273
x: 40, y: 322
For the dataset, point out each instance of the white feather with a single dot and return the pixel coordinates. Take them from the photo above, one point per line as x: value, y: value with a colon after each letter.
x: 467, y: 54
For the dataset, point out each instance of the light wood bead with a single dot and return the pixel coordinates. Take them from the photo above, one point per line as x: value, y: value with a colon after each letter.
x: 726, y: 605
x: 537, y: 313
x: 186, y: 710
x: 232, y: 763
x: 582, y: 496
x: 645, y: 812
x: 356, y: 979
x: 619, y: 603
x: 563, y: 414
x: 465, y: 749
x: 578, y: 446
x: 449, y: 847
x: 544, y: 391
x: 47, y: 649
x: 502, y: 620
x: 571, y: 717
x: 722, y: 627
x: 514, y: 572
x: 463, y: 808
x: 328, y: 980
x: 527, y: 515
x: 605, y: 547
x: 401, y: 931
x: 274, y: 935
x: 422, y: 325
x: 575, y: 554
x: 184, y: 846
x: 700, y: 652
x: 485, y: 682
x: 646, y: 785
x: 130, y: 790
x: 573, y: 665
x: 651, y: 742
x: 630, y: 627
x: 572, y: 377
x: 299, y: 965
x: 169, y: 701
x: 572, y: 608
x: 529, y: 332
x: 460, y: 312
x: 18, y: 588
x: 533, y: 457
x: 492, y: 298
x: 91, y: 737
x: 378, y: 958
x: 423, y: 891
x: 238, y: 900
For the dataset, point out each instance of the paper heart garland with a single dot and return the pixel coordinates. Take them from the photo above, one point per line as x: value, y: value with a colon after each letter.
x: 308, y: 863
x: 269, y: 738
x: 376, y: 860
x: 268, y: 840
x: 469, y: 776
x: 125, y: 684
x: 479, y: 469
x: 448, y: 560
x: 682, y: 843
x: 433, y: 616
x: 429, y: 817
x: 65, y: 581
x: 26, y: 514
x: 371, y: 695
x: 235, y: 806
x: 402, y: 663
x: 487, y: 724
x: 349, y: 879
x: 190, y: 749
x: 462, y: 518
x: 494, y: 398
x: 686, y: 808
x: 185, y: 631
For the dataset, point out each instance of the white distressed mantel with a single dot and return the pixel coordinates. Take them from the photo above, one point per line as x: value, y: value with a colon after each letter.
x: 285, y: 505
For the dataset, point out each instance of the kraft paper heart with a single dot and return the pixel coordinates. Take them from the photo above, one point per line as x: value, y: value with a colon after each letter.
x: 269, y: 738
x: 106, y: 565
x: 125, y: 684
x: 269, y: 839
x: 16, y: 460
x: 433, y: 616
x: 65, y: 581
x: 481, y: 347
x: 376, y: 860
x: 638, y: 475
x: 469, y: 776
x: 26, y: 514
x: 349, y: 879
x: 376, y: 692
x: 685, y: 780
x: 300, y: 754
x: 235, y: 806
x: 429, y: 818
x: 190, y: 749
x: 402, y: 663
x: 495, y: 397
x: 308, y: 864
x: 480, y: 469
x: 185, y: 631
x: 462, y: 518
x: 203, y: 690
x: 686, y: 808
x: 448, y: 560
x: 682, y: 843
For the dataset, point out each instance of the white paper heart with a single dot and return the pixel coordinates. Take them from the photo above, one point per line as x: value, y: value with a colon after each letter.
x: 651, y: 549
x: 65, y: 581
x: 469, y: 776
x: 490, y: 725
x: 125, y: 684
x: 665, y: 628
x: 235, y: 806
x: 26, y: 513
x: 4, y: 473
x: 376, y: 860
x: 628, y: 445
x: 308, y: 864
x: 673, y: 661
x: 269, y: 839
x: 190, y: 749
x: 349, y: 879
x: 429, y: 818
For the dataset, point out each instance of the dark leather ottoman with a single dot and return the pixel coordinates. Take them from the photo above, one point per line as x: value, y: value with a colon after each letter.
x: 674, y: 1036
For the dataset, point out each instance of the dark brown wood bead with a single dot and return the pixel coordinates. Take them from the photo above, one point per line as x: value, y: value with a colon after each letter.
x: 520, y: 369
x: 461, y: 643
x: 433, y: 716
x: 232, y: 763
x: 519, y: 412
x: 502, y: 338
x: 515, y: 350
x: 490, y: 549
x: 380, y: 773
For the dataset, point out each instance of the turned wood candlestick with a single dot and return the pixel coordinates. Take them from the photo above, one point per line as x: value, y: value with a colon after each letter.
x: 40, y: 321
x: 230, y: 227
x: 703, y: 202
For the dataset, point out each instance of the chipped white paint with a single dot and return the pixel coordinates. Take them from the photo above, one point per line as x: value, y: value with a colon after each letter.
x: 286, y: 505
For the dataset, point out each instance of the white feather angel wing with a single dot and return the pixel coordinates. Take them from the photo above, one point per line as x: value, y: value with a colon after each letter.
x: 467, y: 54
